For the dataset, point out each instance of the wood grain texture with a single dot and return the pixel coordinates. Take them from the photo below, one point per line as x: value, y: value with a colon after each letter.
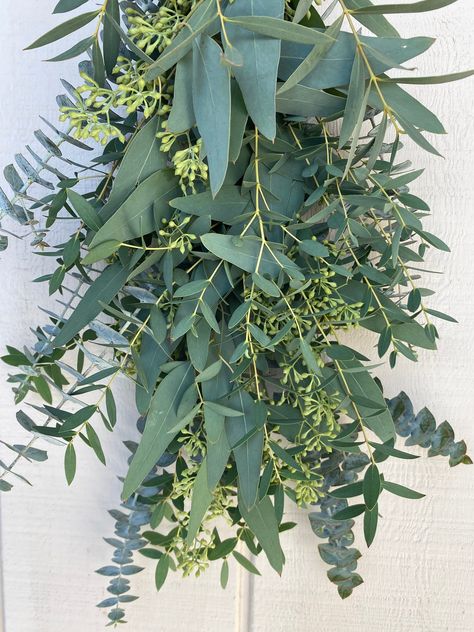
x: 418, y: 573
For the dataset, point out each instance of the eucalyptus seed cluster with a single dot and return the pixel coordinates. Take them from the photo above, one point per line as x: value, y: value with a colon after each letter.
x: 189, y: 166
x: 193, y: 559
x: 153, y: 32
x: 188, y: 163
x: 91, y: 115
x: 134, y: 92
x: 173, y: 235
x: 309, y: 492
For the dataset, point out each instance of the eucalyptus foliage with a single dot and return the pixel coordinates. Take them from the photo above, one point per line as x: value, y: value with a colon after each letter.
x: 251, y: 212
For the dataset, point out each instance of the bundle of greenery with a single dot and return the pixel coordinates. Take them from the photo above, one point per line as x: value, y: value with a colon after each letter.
x: 231, y: 247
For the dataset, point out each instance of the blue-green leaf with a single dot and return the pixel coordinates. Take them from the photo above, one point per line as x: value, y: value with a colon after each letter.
x: 107, y: 285
x: 211, y: 100
x: 262, y: 520
x: 258, y: 73
x: 161, y: 418
x: 136, y: 217
x: 248, y: 456
x: 64, y: 29
x: 181, y: 117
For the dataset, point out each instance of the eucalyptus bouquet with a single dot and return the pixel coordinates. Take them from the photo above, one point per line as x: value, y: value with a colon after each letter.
x: 233, y: 244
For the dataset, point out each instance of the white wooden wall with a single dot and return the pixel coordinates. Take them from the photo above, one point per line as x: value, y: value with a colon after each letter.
x: 418, y: 574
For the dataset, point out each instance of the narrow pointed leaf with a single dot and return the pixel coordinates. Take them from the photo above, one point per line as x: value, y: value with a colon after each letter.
x: 258, y: 73
x: 211, y: 100
x: 64, y: 29
x: 107, y: 285
x: 161, y: 417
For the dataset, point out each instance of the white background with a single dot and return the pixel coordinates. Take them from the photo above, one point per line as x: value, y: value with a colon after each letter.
x: 418, y: 574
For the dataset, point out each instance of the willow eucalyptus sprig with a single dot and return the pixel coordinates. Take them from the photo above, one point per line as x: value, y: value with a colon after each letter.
x: 233, y: 237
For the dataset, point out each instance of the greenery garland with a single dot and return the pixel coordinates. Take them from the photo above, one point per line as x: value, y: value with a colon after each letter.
x: 232, y: 246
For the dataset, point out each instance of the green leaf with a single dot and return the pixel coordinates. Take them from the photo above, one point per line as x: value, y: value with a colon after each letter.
x: 376, y: 23
x: 210, y: 372
x: 211, y: 100
x: 78, y: 419
x: 349, y: 512
x: 406, y: 107
x: 111, y: 35
x: 198, y: 345
x: 244, y: 252
x: 64, y: 29
x: 247, y: 564
x: 181, y: 117
x: 391, y: 451
x: 348, y: 491
x: 161, y: 419
x: 401, y: 490
x: 101, y: 251
x: 282, y: 454
x: 414, y: 7
x: 201, y: 501
x: 223, y: 410
x: 432, y: 80
x: 314, y: 248
x: 442, y: 315
x: 136, y: 217
x: 310, y: 62
x: 355, y: 99
x: 238, y: 122
x: 258, y: 74
x: 434, y: 240
x: 84, y: 210
x: 218, y: 448
x: 191, y: 289
x: 111, y: 407
x: 95, y: 443
x: 262, y: 521
x: 269, y: 287
x: 362, y: 384
x: 248, y: 456
x: 107, y: 285
x: 301, y: 10
x: 304, y: 101
x: 64, y: 6
x: 98, y: 63
x: 372, y: 486
x: 371, y: 517
x: 239, y: 314
x: 142, y: 159
x: 356, y: 132
x: 75, y: 51
x: 228, y: 204
x: 308, y: 356
x: 70, y: 463
x: 280, y: 29
x: 161, y: 572
x: 334, y: 68
x: 224, y: 577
